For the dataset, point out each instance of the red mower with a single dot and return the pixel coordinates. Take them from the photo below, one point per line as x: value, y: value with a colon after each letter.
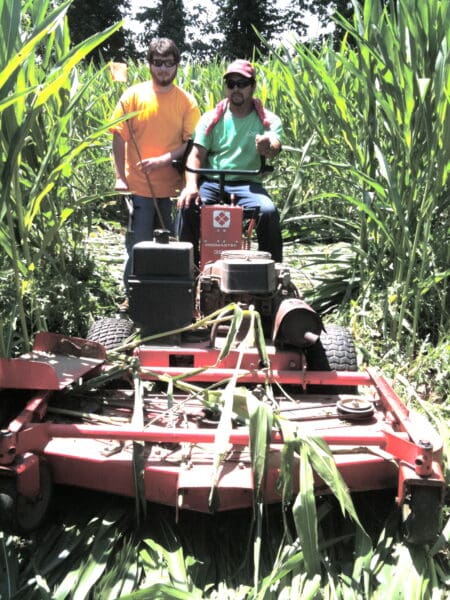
x: 208, y: 413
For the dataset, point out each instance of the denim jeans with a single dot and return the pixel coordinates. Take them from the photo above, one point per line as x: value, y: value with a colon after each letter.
x: 144, y: 219
x: 249, y: 195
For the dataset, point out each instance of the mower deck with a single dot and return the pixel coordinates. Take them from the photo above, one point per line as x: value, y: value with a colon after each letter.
x: 179, y: 457
x: 88, y: 438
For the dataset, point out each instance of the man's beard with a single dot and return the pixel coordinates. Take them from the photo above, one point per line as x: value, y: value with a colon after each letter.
x: 237, y: 99
x: 168, y: 80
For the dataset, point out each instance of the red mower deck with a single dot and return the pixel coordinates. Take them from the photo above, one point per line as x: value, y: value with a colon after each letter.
x: 376, y: 441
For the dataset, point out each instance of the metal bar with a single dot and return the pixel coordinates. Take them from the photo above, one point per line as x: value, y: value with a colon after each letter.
x: 338, y: 378
x: 178, y: 435
x: 387, y: 395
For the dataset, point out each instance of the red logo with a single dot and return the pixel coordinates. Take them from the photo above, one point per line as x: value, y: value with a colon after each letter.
x: 221, y: 219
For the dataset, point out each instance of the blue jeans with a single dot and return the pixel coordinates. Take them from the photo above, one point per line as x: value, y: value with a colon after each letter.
x: 249, y: 195
x: 143, y: 220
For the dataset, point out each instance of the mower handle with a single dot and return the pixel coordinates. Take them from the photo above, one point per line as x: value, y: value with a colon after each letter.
x: 224, y: 172
x: 180, y: 165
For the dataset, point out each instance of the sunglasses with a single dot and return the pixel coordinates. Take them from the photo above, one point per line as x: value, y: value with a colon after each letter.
x: 238, y: 83
x: 169, y: 63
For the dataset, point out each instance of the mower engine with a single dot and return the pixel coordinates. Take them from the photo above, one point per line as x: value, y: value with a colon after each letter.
x: 246, y: 277
x: 164, y: 294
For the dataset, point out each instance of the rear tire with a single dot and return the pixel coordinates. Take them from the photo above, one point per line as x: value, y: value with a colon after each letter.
x: 110, y: 332
x: 333, y: 351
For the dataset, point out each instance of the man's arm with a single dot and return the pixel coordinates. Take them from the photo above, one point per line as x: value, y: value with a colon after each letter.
x: 190, y: 119
x: 147, y: 165
x: 118, y: 151
x: 268, y: 144
x: 195, y: 160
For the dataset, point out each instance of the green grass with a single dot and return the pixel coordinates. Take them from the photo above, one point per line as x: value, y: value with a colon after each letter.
x: 92, y: 549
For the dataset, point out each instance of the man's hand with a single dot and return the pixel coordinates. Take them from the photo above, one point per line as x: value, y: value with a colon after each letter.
x: 188, y: 196
x: 267, y: 146
x: 121, y: 185
x: 148, y: 165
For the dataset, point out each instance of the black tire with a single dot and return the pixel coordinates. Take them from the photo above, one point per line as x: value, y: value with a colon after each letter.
x: 422, y: 515
x: 20, y: 515
x: 334, y: 351
x: 110, y: 332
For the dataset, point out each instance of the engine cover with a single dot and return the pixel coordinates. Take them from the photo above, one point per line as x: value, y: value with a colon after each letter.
x: 244, y: 271
x: 249, y: 278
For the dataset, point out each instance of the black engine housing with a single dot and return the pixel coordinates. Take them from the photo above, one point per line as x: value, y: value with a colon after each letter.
x: 249, y: 278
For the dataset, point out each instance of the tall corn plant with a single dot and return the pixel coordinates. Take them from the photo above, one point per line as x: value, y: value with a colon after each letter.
x: 380, y: 108
x: 39, y: 146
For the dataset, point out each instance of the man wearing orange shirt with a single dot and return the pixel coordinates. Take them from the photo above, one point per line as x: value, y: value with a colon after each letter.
x: 145, y: 144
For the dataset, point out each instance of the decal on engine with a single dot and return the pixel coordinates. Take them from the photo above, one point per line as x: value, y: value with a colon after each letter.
x: 221, y: 219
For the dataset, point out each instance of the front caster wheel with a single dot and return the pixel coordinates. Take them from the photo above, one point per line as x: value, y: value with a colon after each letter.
x: 19, y: 514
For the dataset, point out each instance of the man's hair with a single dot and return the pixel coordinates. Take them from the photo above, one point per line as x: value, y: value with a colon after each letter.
x: 163, y: 47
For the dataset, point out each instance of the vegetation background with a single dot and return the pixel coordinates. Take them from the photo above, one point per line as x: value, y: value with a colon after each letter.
x: 363, y: 188
x: 202, y: 29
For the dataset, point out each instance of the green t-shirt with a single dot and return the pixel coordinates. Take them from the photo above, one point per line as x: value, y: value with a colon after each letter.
x: 231, y: 143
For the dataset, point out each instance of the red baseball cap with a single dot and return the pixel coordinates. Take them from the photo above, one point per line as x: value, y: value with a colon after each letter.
x: 241, y: 67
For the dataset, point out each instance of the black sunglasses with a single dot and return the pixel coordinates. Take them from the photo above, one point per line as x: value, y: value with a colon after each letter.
x: 169, y: 63
x: 238, y: 83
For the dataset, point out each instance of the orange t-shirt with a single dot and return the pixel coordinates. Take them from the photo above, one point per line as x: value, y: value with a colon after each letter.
x: 165, y: 120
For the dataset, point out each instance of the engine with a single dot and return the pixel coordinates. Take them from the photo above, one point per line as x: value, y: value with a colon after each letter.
x: 164, y: 293
x: 247, y: 277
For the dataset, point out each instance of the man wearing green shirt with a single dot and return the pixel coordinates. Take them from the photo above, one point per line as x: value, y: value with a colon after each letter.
x: 234, y: 136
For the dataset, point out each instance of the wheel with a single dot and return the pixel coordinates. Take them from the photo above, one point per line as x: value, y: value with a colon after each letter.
x: 421, y: 515
x: 333, y: 351
x: 19, y: 514
x: 110, y: 332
